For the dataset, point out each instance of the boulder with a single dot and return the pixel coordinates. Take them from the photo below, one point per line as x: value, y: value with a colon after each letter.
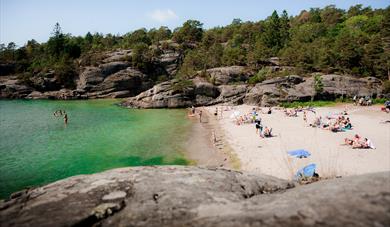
x: 37, y: 95
x: 195, y: 196
x: 164, y: 95
x: 45, y: 82
x: 228, y: 74
x: 89, y: 77
x: 130, y: 80
x: 12, y: 88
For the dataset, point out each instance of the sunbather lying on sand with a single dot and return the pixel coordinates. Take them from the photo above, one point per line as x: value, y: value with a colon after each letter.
x: 366, y: 144
x: 351, y: 142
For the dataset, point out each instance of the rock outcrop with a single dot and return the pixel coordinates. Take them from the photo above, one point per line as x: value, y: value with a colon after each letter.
x: 194, y: 196
x: 111, y: 75
x: 101, y: 75
x: 269, y: 92
x: 229, y: 74
x: 296, y: 88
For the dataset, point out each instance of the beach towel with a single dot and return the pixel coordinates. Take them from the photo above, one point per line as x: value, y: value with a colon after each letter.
x: 370, y: 144
x: 300, y: 153
x: 307, y: 171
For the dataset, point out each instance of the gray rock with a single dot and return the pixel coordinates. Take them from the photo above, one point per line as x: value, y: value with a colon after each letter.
x: 128, y: 79
x: 45, y: 82
x: 11, y: 88
x: 90, y: 77
x: 118, y: 55
x: 36, y: 95
x: 228, y: 74
x: 195, y: 196
x: 113, y: 67
x: 295, y: 88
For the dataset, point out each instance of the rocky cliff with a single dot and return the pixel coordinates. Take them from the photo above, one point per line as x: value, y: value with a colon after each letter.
x: 112, y: 75
x: 194, y: 196
x: 269, y: 92
x: 102, y: 75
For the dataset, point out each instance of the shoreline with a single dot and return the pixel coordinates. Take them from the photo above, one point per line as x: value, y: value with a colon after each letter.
x: 205, y: 147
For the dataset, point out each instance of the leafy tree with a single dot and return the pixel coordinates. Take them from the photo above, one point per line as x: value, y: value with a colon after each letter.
x: 191, y: 31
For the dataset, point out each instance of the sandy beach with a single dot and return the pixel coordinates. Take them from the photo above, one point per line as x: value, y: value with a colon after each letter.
x: 207, y: 148
x: 269, y: 155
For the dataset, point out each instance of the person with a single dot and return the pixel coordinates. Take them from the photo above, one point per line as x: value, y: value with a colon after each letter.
x: 386, y: 107
x: 353, y: 142
x: 267, y: 132
x: 361, y: 101
x: 269, y: 110
x: 304, y: 117
x: 317, y: 122
x: 355, y: 100
x: 66, y: 118
x: 258, y: 124
x: 216, y: 112
x: 368, y: 144
x: 193, y: 110
x: 200, y: 116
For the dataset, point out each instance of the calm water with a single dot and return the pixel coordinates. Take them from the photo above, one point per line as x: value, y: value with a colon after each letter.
x: 37, y: 148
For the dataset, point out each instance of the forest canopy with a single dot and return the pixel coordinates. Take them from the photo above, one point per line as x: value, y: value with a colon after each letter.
x: 330, y: 40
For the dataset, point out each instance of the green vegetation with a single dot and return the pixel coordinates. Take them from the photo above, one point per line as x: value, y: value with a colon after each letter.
x: 327, y: 40
x: 260, y: 76
x: 310, y: 103
x: 318, y: 85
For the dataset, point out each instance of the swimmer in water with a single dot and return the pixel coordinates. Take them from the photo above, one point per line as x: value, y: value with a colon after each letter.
x: 66, y: 118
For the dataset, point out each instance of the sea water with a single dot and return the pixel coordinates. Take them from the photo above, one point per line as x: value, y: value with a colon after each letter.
x: 37, y: 147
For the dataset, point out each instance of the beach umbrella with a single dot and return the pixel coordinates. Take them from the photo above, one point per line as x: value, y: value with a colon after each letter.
x: 307, y: 171
x: 300, y: 153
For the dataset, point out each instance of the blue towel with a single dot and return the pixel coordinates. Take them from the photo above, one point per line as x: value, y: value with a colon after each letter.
x: 301, y: 153
x: 307, y: 171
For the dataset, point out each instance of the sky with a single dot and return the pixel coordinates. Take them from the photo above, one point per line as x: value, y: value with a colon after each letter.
x: 22, y: 20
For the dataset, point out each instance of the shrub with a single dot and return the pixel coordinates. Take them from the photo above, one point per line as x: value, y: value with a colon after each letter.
x: 260, y: 76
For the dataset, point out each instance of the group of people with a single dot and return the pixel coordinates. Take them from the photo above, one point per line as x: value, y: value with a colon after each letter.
x: 362, y: 101
x: 357, y: 142
x: 263, y: 131
x: 59, y: 113
x: 334, y: 124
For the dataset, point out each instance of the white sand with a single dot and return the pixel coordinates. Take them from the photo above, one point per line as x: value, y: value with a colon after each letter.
x: 269, y: 155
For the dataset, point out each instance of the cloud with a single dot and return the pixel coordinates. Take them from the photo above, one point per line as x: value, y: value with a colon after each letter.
x: 163, y: 15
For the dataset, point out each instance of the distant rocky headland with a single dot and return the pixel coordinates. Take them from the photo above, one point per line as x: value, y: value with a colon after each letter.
x: 194, y: 196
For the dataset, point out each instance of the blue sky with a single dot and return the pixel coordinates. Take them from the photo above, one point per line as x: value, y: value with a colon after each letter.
x: 22, y: 20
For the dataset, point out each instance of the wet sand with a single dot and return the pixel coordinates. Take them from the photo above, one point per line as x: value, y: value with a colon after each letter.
x: 206, y: 147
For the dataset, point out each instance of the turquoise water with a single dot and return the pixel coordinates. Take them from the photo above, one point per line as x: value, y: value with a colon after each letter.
x: 38, y: 148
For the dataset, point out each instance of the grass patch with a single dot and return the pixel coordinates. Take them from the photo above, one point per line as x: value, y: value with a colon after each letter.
x: 379, y: 101
x: 309, y: 103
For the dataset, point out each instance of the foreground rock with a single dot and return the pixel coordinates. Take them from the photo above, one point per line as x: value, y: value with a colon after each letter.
x: 194, y: 196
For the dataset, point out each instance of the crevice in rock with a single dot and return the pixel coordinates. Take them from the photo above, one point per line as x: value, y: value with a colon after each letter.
x: 101, y: 212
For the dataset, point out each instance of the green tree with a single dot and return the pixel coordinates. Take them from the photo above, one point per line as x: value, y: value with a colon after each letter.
x: 191, y: 31
x: 56, y: 42
x: 271, y: 35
